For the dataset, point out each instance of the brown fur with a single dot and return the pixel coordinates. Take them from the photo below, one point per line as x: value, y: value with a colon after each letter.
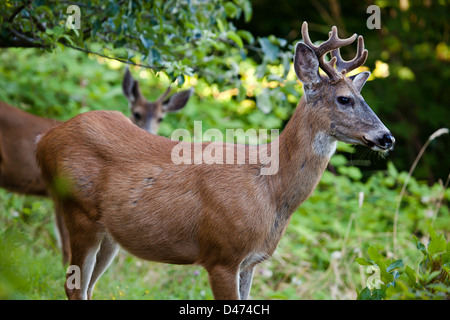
x: 18, y: 168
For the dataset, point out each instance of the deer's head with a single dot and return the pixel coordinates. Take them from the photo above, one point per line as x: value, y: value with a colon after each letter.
x: 148, y: 115
x: 343, y: 111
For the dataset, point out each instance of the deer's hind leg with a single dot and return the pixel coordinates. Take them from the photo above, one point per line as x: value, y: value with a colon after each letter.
x: 63, y: 234
x: 105, y: 255
x: 85, y: 238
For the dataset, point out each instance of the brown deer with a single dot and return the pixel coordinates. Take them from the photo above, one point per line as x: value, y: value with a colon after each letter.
x: 148, y: 115
x: 18, y: 129
x: 122, y: 187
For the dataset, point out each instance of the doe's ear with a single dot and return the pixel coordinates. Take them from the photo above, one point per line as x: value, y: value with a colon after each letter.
x: 177, y: 101
x: 130, y: 87
x: 306, y: 65
x: 360, y: 79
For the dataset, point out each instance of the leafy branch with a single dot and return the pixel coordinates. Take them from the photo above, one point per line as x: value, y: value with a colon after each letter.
x: 178, y: 37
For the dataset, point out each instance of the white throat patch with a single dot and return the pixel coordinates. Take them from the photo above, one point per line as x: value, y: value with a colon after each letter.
x: 324, y: 145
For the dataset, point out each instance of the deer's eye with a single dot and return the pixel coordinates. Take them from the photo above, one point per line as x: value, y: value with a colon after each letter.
x: 137, y: 115
x: 344, y: 101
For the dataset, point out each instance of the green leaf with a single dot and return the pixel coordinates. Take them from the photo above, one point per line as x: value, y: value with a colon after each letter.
x: 395, y: 276
x: 378, y: 294
x: 420, y: 245
x: 180, y: 79
x: 277, y: 41
x: 345, y: 147
x: 235, y: 38
x: 352, y: 172
x: 437, y: 244
x: 428, y: 277
x: 411, y: 275
x: 373, y: 254
x: 220, y: 25
x: 445, y: 257
x: 269, y: 49
x: 363, y: 262
x: 58, y: 31
x: 69, y: 39
x: 75, y: 30
x: 248, y: 10
x: 247, y: 36
x: 365, y: 294
x: 395, y: 264
x: 338, y: 160
x: 231, y: 9
x: 189, y: 25
x: 154, y: 57
x: 431, y: 231
x: 391, y: 169
x: 147, y: 43
x: 385, y: 276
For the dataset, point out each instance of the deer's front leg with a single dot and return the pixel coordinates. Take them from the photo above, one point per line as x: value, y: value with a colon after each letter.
x: 224, y: 282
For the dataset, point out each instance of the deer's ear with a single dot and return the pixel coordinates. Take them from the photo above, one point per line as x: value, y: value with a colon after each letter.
x: 360, y: 79
x: 177, y: 101
x: 130, y: 87
x: 306, y: 65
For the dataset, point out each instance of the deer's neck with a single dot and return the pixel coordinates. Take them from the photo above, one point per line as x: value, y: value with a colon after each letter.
x: 304, y: 152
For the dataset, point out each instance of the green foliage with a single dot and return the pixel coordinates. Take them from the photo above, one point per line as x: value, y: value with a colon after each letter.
x: 181, y: 38
x: 430, y: 281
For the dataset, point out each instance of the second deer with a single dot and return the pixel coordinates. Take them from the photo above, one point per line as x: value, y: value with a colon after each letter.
x: 122, y: 187
x: 18, y: 130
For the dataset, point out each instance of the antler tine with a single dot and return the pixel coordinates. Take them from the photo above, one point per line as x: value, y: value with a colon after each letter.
x: 346, y: 66
x: 165, y: 94
x: 305, y: 36
x: 334, y: 42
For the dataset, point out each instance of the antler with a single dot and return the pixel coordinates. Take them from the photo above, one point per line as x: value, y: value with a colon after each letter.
x: 165, y: 94
x: 333, y: 44
x: 347, y: 66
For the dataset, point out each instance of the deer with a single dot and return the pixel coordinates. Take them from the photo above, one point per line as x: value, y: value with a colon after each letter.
x: 149, y: 115
x: 19, y: 171
x: 122, y: 188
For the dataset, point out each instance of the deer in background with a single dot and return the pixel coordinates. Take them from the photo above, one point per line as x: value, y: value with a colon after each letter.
x: 122, y: 187
x: 18, y: 129
x: 148, y: 115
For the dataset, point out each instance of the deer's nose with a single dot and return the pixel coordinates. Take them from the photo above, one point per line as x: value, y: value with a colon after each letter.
x: 387, y: 141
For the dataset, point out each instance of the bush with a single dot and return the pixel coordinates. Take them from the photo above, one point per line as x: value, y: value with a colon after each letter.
x: 392, y: 280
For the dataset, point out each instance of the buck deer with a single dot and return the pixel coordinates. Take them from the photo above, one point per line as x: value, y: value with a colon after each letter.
x: 121, y: 187
x: 18, y: 129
